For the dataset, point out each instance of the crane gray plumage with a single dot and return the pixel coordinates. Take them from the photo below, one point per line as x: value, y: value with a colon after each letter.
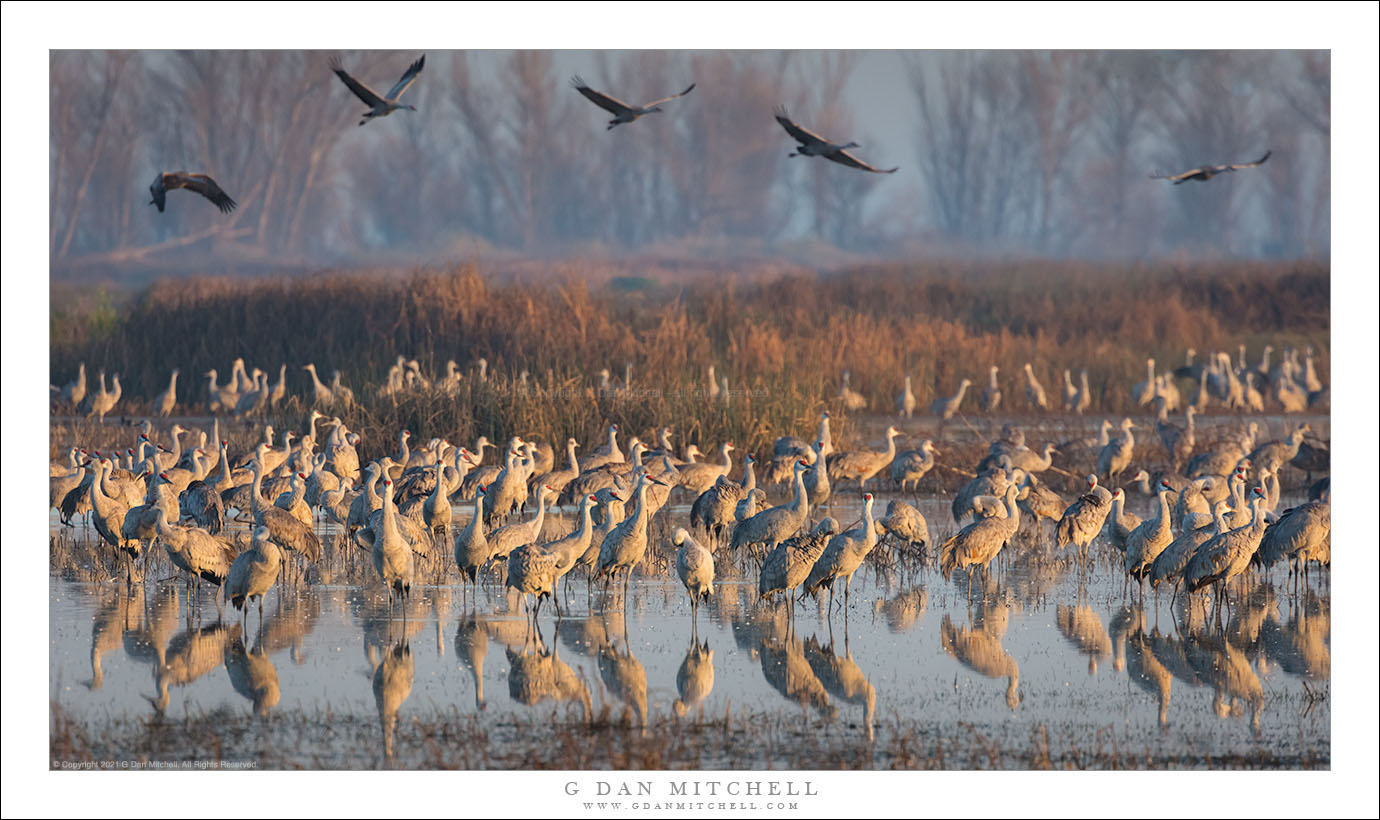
x: 1084, y: 518
x: 1226, y: 555
x: 284, y: 528
x: 621, y: 111
x: 913, y: 465
x: 843, y: 555
x: 253, y: 572
x: 472, y: 549
x: 712, y: 512
x: 864, y: 464
x: 626, y: 544
x: 981, y: 541
x: 1116, y: 456
x: 194, y: 550
x: 1169, y: 565
x: 196, y: 183
x: 380, y: 106
x: 694, y: 567
x: 906, y: 523
x: 1145, y: 543
x: 1300, y: 531
x: 1206, y: 172
x: 946, y: 406
x: 813, y: 145
x: 392, y: 554
x: 788, y: 565
x: 775, y: 524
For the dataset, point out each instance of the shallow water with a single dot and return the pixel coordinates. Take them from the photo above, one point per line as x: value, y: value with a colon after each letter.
x: 1036, y: 647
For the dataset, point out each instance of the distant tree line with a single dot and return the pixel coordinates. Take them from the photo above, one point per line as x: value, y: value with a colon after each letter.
x: 1043, y: 152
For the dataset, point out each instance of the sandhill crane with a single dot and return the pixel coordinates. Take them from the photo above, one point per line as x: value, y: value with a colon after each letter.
x: 817, y: 486
x: 197, y: 183
x: 1029, y: 461
x: 695, y: 678
x: 946, y: 406
x: 472, y: 549
x: 905, y: 403
x: 813, y: 145
x: 1144, y: 391
x: 1226, y: 555
x: 789, y: 565
x: 712, y: 511
x: 195, y: 551
x: 1084, y: 518
x: 843, y: 555
x: 906, y: 523
x: 279, y: 388
x: 695, y: 568
x: 621, y: 111
x: 852, y: 399
x: 253, y: 573
x: 775, y: 524
x: 1034, y: 392
x: 103, y: 401
x: 1120, y: 523
x: 380, y: 106
x: 392, y: 555
x: 991, y: 394
x: 60, y: 485
x: 108, y: 515
x: 699, y: 477
x: 74, y: 391
x: 504, y: 540
x: 1145, y: 543
x: 532, y: 570
x: 219, y: 398
x: 1206, y: 172
x: 1295, y: 535
x: 1169, y: 565
x: 1083, y: 400
x: 1275, y: 454
x: 912, y: 465
x: 1116, y: 456
x: 979, y: 542
x: 626, y: 544
x: 285, y: 529
x: 167, y: 400
x: 864, y: 464
x: 202, y: 501
x: 558, y: 480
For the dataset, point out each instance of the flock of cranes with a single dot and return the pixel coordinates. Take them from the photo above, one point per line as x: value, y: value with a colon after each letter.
x: 1215, y: 513
x: 1289, y: 384
x: 809, y: 144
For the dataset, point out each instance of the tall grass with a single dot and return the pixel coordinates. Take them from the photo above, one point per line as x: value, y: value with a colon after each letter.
x: 782, y: 341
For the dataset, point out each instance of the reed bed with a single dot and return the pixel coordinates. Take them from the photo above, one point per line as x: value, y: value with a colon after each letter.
x: 781, y: 341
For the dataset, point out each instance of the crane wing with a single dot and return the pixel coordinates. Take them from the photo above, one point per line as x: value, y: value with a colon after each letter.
x: 1258, y: 162
x: 845, y: 158
x: 612, y: 105
x: 802, y: 135
x: 199, y: 183
x: 1178, y: 177
x: 208, y: 188
x: 407, y: 79
x: 364, y: 92
x: 655, y: 103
